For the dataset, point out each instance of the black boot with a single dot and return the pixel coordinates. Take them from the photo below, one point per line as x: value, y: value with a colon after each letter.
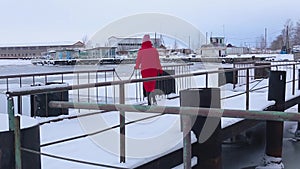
x: 154, y: 102
x: 149, y: 98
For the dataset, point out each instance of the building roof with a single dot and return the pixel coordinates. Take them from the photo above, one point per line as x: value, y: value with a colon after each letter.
x: 102, y: 47
x: 62, y: 43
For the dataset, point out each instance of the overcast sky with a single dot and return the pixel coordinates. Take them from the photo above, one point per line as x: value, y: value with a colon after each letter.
x: 241, y: 21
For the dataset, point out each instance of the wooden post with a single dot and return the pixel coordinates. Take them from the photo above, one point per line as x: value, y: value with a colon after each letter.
x: 234, y: 80
x: 208, y: 150
x: 206, y: 80
x: 17, y: 135
x: 294, y: 79
x: 20, y: 104
x: 274, y: 138
x: 122, y: 125
x: 187, y: 148
x: 297, y: 134
x: 11, y: 113
x: 247, y: 89
x: 274, y: 129
x: 274, y: 134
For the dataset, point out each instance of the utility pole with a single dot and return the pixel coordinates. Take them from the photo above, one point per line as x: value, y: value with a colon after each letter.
x: 287, y: 40
x: 265, y: 40
x: 189, y: 42
x: 155, y: 44
x: 224, y: 33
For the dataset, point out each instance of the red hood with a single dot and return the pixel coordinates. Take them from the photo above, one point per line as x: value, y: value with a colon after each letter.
x: 146, y: 45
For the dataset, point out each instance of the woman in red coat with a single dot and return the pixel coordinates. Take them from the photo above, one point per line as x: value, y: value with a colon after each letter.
x: 149, y: 63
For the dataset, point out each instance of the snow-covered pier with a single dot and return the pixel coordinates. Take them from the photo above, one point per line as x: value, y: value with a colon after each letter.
x: 152, y: 138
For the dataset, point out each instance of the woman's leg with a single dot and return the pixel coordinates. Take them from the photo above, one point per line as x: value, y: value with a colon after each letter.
x: 151, y: 98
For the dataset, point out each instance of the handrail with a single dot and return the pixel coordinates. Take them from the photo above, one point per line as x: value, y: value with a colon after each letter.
x: 45, y: 89
x: 76, y: 71
x: 194, y: 111
x: 56, y: 73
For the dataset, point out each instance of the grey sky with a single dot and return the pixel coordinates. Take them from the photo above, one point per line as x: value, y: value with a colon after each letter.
x: 241, y: 21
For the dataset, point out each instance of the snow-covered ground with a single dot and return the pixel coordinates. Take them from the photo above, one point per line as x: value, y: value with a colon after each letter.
x: 14, y: 62
x: 146, y: 140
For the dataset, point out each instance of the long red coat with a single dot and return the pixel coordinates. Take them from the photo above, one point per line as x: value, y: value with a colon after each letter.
x: 149, y: 63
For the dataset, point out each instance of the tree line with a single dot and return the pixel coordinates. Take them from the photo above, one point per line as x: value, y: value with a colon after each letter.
x: 289, y: 36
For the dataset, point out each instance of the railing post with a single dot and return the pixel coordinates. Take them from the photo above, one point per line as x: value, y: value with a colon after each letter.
x: 20, y: 80
x: 206, y: 80
x: 247, y: 89
x: 14, y: 125
x: 187, y: 147
x: 17, y: 135
x: 274, y: 129
x: 78, y: 89
x: 7, y: 87
x: 20, y: 104
x: 11, y: 113
x: 106, y: 93
x: 88, y: 88
x: 122, y: 124
x: 294, y: 79
x: 233, y: 80
x: 297, y: 133
x: 209, y: 146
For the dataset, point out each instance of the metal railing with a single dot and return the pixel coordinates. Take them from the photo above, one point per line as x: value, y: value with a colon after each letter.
x: 103, y: 94
x: 260, y: 115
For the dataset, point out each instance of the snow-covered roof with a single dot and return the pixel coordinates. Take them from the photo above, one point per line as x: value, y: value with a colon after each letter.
x: 61, y: 43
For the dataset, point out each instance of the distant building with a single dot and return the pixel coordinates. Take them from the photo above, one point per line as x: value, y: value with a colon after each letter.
x: 216, y: 48
x: 127, y: 44
x: 99, y: 52
x: 35, y: 50
x: 232, y: 50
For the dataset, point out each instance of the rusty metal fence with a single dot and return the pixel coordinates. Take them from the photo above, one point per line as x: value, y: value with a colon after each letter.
x: 122, y: 107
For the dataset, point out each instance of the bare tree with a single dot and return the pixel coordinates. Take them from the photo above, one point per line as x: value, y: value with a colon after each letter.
x: 85, y: 39
x: 262, y: 42
x: 277, y: 43
x: 175, y: 45
x: 286, y: 38
x: 296, y: 37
